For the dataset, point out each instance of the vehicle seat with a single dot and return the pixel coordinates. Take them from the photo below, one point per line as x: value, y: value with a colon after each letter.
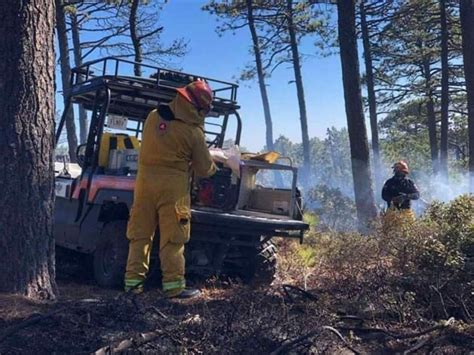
x: 113, y: 143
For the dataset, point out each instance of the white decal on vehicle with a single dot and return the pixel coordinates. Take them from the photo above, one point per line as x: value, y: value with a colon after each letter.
x: 117, y: 122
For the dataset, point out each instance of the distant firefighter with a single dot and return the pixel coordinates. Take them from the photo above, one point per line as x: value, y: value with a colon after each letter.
x: 399, y: 190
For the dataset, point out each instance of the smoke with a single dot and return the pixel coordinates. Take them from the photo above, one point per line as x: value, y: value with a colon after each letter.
x: 434, y: 187
x: 334, y: 199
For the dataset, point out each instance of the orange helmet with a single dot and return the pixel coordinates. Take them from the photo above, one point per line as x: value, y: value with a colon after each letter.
x: 401, y: 167
x: 199, y: 94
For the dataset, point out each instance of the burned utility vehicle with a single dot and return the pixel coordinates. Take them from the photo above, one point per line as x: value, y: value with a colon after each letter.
x: 233, y: 218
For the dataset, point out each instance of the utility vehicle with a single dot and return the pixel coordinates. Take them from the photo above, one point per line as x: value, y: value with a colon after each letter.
x: 234, y: 219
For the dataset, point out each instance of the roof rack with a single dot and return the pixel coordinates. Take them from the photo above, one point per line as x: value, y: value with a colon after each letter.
x: 134, y: 95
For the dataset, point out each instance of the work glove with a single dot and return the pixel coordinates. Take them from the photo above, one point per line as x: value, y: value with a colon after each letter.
x: 399, y: 199
x: 233, y: 163
x: 218, y: 155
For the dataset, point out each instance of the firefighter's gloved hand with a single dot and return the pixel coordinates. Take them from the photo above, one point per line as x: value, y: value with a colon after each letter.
x: 399, y: 199
x: 233, y: 162
x: 218, y: 155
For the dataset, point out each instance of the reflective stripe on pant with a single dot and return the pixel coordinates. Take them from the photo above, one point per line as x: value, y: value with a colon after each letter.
x: 160, y: 200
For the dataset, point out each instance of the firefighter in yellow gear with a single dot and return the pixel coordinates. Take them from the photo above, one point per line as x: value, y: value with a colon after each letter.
x: 173, y: 143
x: 398, y: 192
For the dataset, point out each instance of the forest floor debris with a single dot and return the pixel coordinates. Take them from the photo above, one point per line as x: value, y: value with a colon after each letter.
x: 228, y: 318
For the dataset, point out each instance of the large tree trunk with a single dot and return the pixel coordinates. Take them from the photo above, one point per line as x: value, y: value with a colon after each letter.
x: 26, y: 147
x: 467, y: 26
x: 430, y: 107
x: 360, y: 157
x: 76, y: 42
x: 300, y: 92
x: 65, y: 77
x: 443, y: 149
x: 371, y: 97
x: 137, y: 46
x: 261, y: 77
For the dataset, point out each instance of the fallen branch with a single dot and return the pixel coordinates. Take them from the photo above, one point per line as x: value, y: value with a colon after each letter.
x: 157, y: 311
x: 466, y: 311
x: 441, y: 300
x: 28, y: 322
x: 352, y: 318
x: 296, y: 289
x: 339, y: 335
x: 295, y: 342
x: 368, y: 333
x: 417, y: 346
x: 285, y: 347
x: 445, y: 324
x: 128, y: 343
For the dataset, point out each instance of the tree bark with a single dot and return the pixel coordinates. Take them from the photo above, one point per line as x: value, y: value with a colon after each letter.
x: 430, y: 107
x: 300, y: 93
x: 467, y: 28
x: 443, y: 149
x: 26, y: 147
x: 76, y: 43
x: 360, y: 157
x: 371, y: 97
x: 261, y: 77
x: 65, y: 78
x: 137, y: 46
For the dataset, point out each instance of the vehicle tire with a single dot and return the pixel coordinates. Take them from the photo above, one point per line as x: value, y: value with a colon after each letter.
x: 110, y: 256
x: 262, y: 265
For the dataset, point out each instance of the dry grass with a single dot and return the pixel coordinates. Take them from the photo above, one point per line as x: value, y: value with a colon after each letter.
x: 228, y: 318
x: 378, y: 292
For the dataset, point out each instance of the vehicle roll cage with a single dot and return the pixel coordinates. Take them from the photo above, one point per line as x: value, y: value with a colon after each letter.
x: 116, y: 90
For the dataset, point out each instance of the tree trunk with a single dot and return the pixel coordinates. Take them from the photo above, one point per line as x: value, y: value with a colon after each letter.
x: 26, y: 147
x: 443, y: 149
x: 137, y: 46
x: 76, y: 42
x: 360, y: 157
x: 261, y: 77
x: 430, y: 107
x: 467, y: 27
x: 300, y: 93
x: 371, y: 97
x: 65, y: 78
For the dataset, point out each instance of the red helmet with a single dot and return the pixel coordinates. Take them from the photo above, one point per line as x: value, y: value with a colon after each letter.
x: 401, y: 167
x: 199, y: 94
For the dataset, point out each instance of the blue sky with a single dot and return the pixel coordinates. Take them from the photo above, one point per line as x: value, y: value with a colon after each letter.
x: 224, y: 57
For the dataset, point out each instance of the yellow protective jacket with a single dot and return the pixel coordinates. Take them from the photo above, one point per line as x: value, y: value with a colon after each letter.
x: 162, y: 197
x: 173, y: 145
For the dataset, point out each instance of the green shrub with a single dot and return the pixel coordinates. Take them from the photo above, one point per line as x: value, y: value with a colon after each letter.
x: 412, y: 269
x: 335, y: 210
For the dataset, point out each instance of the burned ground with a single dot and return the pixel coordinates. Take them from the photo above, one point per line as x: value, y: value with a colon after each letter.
x: 228, y: 318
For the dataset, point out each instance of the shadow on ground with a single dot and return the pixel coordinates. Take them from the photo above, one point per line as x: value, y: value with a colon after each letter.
x: 229, y: 318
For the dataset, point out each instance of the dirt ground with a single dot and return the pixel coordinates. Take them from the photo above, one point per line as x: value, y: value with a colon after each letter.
x: 229, y: 318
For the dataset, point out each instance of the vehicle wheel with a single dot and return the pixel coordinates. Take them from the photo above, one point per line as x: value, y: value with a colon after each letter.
x: 262, y: 265
x: 110, y: 256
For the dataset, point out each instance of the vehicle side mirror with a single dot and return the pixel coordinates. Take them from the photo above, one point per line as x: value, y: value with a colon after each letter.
x: 81, y: 154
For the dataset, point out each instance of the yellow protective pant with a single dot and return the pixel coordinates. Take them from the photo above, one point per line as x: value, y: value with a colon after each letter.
x: 394, y: 217
x: 160, y: 199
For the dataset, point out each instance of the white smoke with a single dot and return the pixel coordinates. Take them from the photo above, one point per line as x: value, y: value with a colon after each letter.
x: 436, y: 188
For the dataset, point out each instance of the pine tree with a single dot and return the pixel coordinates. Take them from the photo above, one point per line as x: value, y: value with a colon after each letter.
x: 26, y: 148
